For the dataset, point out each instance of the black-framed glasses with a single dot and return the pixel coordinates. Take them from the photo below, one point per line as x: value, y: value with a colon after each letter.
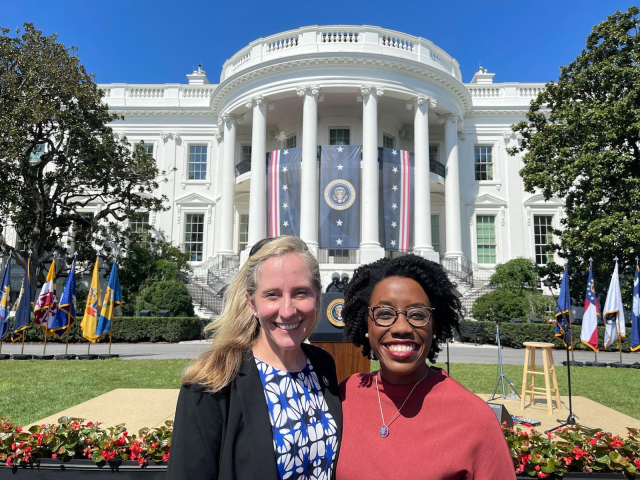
x: 258, y: 245
x: 385, y: 316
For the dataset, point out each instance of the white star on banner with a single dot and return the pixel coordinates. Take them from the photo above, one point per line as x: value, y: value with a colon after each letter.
x: 284, y: 187
x: 395, y: 169
x: 340, y: 167
x: 285, y: 205
x: 286, y: 152
x: 340, y: 148
x: 394, y: 188
x: 393, y: 243
x: 339, y: 223
x: 285, y: 224
x: 394, y: 224
x: 394, y: 152
x: 394, y: 206
x: 284, y: 169
x: 339, y: 241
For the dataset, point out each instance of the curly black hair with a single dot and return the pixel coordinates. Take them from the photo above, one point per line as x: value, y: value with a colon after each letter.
x: 431, y: 276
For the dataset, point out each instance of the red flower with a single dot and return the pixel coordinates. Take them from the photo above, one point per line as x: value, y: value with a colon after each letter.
x: 636, y: 462
x: 593, y: 441
x: 54, y: 456
x: 528, y: 425
x: 542, y: 475
x: 537, y: 467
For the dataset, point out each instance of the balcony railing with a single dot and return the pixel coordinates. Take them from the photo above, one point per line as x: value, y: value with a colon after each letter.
x: 338, y: 256
x: 243, y: 167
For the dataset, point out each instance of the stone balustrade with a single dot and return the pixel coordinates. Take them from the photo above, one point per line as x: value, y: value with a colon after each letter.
x: 168, y: 95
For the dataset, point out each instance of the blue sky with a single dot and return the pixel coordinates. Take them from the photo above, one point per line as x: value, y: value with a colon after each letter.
x: 159, y: 41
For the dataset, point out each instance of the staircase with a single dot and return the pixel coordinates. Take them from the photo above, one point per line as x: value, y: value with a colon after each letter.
x: 208, y: 281
x: 472, y: 280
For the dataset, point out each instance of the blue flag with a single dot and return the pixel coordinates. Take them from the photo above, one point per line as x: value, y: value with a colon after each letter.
x: 635, y: 313
x: 340, y: 197
x: 25, y: 305
x: 66, y: 313
x: 112, y: 300
x: 396, y: 200
x: 283, y: 192
x: 5, y: 300
x: 563, y: 311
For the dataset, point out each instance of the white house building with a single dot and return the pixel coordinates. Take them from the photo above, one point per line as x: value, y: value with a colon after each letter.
x: 351, y: 85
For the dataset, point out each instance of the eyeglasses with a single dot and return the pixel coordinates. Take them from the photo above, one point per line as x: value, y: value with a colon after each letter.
x: 384, y: 316
x: 260, y: 244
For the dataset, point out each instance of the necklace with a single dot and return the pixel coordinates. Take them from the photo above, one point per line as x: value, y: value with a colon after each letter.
x: 384, y: 429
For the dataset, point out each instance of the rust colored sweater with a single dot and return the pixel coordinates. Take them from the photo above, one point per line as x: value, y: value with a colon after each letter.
x: 444, y: 432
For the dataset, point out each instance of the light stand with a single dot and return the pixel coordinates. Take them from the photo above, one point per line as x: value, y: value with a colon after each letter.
x: 501, y: 376
x: 571, y: 419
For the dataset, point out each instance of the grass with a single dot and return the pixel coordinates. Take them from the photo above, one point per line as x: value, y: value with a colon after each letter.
x: 36, y: 389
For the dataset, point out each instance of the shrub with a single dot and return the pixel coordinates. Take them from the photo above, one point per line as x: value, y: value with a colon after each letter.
x: 516, y: 275
x: 169, y: 295
x: 500, y: 306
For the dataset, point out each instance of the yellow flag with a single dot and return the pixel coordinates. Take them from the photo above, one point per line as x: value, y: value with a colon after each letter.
x: 92, y: 310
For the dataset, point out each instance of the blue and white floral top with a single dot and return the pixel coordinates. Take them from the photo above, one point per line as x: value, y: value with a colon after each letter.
x: 305, y: 437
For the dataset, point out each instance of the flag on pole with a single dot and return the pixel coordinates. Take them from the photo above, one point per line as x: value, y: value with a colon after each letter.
x: 589, y: 332
x: 613, y: 314
x: 5, y: 290
x: 563, y: 311
x: 112, y: 300
x: 340, y: 197
x: 284, y: 175
x: 24, y: 305
x: 66, y: 314
x: 92, y: 310
x: 635, y: 312
x: 47, y: 303
x: 396, y: 200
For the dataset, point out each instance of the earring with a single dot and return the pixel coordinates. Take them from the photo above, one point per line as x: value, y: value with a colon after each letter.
x: 434, y: 336
x: 372, y: 355
x: 366, y: 335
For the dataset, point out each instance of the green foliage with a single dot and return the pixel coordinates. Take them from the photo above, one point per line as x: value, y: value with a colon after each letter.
x: 500, y: 305
x: 48, y: 99
x: 581, y: 143
x: 516, y: 275
x: 166, y: 295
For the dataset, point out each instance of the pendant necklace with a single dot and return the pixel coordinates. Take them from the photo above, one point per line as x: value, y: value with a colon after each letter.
x: 384, y: 429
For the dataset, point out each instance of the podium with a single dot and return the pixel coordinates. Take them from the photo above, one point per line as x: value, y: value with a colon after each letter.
x: 329, y: 336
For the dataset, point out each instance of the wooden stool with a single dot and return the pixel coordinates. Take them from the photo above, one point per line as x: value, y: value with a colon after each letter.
x: 531, y: 372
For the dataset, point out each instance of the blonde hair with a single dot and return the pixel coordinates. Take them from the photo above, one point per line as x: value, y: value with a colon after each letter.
x: 236, y: 329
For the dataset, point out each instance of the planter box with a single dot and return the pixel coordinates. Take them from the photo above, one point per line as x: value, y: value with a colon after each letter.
x: 587, y: 476
x: 79, y: 469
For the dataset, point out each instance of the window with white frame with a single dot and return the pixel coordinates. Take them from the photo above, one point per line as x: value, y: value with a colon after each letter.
x: 388, y: 141
x: 147, y: 148
x: 339, y: 136
x: 434, y: 153
x: 243, y: 232
x: 139, y: 223
x: 291, y: 142
x: 197, y: 162
x: 483, y: 155
x: 194, y: 235
x: 543, y: 237
x: 486, y: 238
x: 246, y: 153
x: 435, y: 232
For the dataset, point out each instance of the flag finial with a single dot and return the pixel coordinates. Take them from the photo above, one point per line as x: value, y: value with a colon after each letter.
x: 75, y: 254
x: 29, y: 252
x: 616, y: 259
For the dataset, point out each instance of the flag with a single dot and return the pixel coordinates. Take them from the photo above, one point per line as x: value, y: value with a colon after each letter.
x: 24, y: 304
x: 635, y: 313
x: 92, y: 310
x: 613, y: 314
x: 563, y: 311
x: 112, y: 300
x: 284, y: 170
x: 396, y: 200
x: 47, y: 303
x: 589, y: 332
x: 340, y: 197
x: 66, y: 314
x: 5, y: 290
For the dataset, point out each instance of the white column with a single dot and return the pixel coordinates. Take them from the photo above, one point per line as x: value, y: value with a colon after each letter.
x: 370, y: 249
x: 218, y: 189
x: 227, y: 191
x: 309, y: 181
x: 422, y: 186
x: 452, y: 189
x: 258, y: 192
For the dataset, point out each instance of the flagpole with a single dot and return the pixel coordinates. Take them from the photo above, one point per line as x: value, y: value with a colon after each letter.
x: 595, y: 352
x: 66, y: 347
x: 6, y: 311
x: 46, y: 330
x: 112, y: 317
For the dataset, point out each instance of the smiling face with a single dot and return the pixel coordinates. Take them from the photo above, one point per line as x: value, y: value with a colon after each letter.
x: 285, y: 302
x: 401, y: 348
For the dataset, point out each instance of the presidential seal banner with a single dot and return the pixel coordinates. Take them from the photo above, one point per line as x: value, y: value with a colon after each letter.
x: 340, y: 197
x: 396, y: 199
x: 283, y: 192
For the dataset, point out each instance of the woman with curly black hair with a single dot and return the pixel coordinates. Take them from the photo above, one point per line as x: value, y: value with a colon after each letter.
x: 411, y: 420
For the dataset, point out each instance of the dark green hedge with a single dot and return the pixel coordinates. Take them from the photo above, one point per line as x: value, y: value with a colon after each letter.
x: 132, y: 329
x: 514, y: 334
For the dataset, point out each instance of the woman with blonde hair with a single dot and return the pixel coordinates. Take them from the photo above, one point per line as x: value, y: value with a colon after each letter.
x: 260, y: 403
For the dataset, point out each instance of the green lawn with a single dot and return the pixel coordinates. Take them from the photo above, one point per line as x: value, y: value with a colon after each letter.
x: 36, y: 389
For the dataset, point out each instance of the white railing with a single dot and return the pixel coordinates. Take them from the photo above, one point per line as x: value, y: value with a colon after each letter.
x: 196, y: 92
x: 398, y: 42
x: 151, y: 92
x: 281, y: 44
x: 485, y: 92
x: 530, y: 91
x: 106, y: 92
x: 121, y: 94
x: 339, y: 37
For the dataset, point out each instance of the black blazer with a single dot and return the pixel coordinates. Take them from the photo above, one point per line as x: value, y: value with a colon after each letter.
x: 227, y: 435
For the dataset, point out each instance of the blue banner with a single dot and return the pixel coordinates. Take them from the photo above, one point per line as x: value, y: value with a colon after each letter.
x: 284, y: 170
x: 340, y: 197
x: 5, y: 300
x: 635, y: 313
x: 396, y: 199
x: 563, y: 311
x: 66, y: 313
x: 22, y: 319
x: 112, y: 300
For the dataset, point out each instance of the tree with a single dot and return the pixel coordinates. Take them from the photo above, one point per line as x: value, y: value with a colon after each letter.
x: 166, y: 295
x: 58, y: 154
x: 581, y: 143
x: 518, y: 274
